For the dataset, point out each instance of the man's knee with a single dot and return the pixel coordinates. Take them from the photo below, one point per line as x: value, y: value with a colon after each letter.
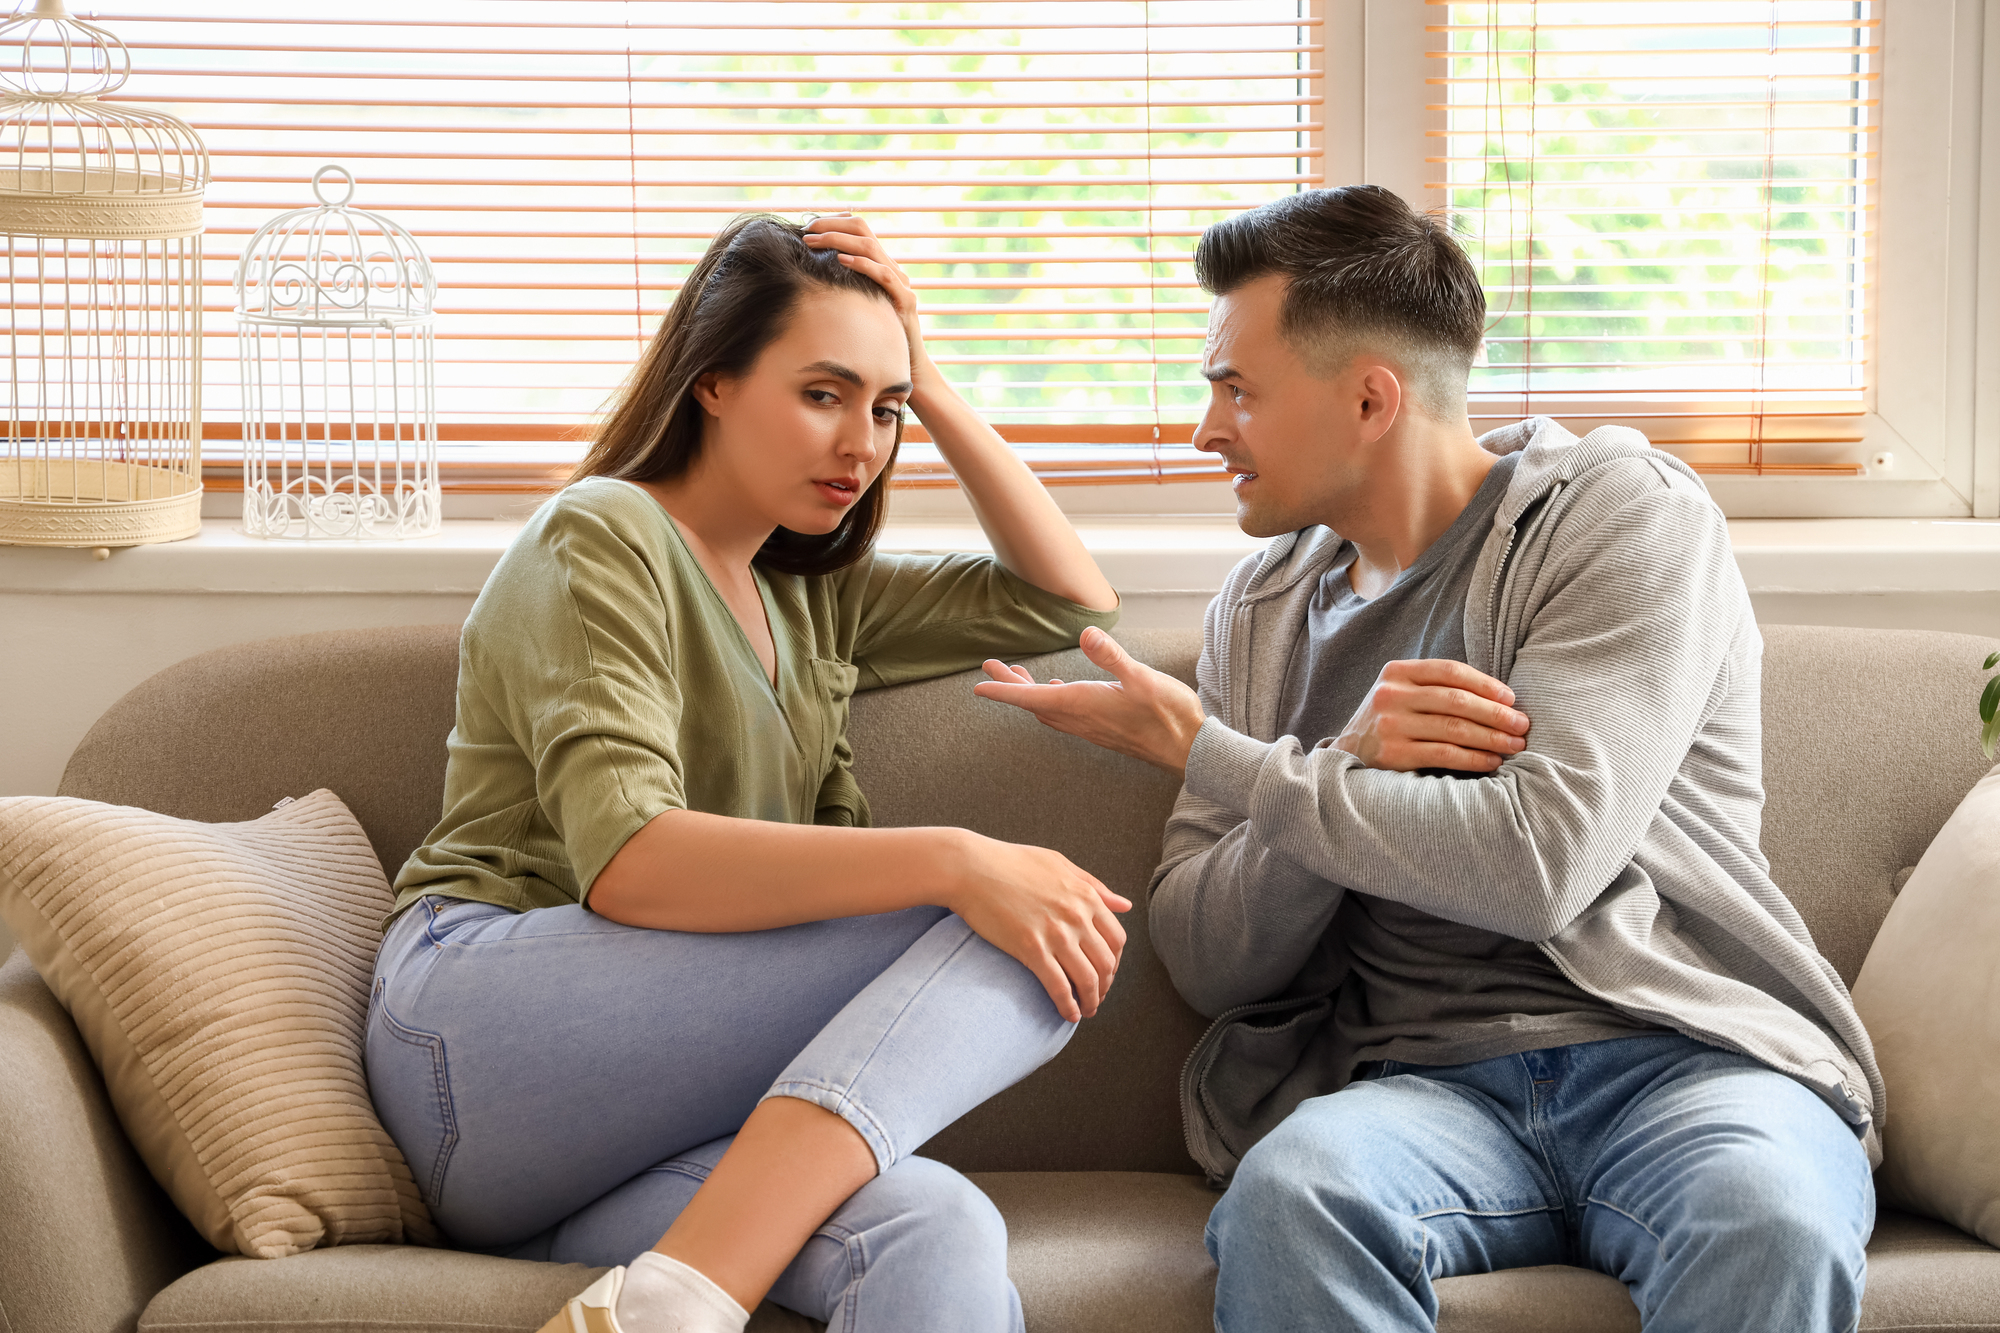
x: 1780, y: 1207
x: 1750, y: 1206
x: 1301, y: 1184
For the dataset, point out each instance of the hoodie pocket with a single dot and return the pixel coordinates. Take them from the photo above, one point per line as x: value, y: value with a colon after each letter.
x: 1243, y: 1077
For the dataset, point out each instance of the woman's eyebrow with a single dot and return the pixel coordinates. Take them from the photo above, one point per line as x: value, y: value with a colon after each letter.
x: 840, y: 372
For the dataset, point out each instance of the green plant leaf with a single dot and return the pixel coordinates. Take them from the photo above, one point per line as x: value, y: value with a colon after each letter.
x: 1989, y: 700
x: 1989, y: 734
x: 1990, y: 660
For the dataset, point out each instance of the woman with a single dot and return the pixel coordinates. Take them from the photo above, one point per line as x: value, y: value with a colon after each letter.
x: 652, y: 966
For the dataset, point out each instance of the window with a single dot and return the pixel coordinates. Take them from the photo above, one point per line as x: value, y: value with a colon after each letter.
x: 1041, y: 167
x: 1751, y: 227
x: 1673, y: 206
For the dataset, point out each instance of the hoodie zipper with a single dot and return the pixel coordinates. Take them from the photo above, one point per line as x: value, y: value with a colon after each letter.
x: 1223, y: 1021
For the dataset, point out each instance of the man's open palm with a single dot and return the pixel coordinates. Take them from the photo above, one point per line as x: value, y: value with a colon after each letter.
x: 1144, y: 713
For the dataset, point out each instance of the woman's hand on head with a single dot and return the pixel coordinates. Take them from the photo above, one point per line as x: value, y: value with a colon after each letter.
x: 861, y: 250
x: 1055, y: 919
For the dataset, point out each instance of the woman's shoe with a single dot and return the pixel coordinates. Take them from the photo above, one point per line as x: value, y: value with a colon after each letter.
x: 593, y: 1310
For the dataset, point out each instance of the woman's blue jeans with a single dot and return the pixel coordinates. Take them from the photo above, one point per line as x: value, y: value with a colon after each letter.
x: 1723, y: 1194
x: 561, y: 1084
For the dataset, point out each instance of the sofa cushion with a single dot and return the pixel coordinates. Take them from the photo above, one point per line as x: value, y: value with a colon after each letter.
x: 219, y: 975
x: 1870, y: 742
x: 380, y: 1288
x: 1091, y: 1251
x: 223, y: 734
x: 74, y: 1197
x: 1927, y: 995
x: 1923, y: 1277
x: 1107, y: 1251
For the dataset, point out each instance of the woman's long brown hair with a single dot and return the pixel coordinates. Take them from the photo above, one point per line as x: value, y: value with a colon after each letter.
x: 733, y: 306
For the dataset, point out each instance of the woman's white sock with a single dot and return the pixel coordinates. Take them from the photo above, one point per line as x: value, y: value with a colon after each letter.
x: 663, y: 1295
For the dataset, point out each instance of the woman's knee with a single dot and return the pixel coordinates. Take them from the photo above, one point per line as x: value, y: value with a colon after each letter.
x: 921, y: 1197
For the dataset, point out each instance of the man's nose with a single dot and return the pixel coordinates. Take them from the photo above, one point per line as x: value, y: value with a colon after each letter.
x: 1210, y: 433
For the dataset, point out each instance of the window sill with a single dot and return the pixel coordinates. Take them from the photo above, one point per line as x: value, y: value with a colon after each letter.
x: 1144, y: 556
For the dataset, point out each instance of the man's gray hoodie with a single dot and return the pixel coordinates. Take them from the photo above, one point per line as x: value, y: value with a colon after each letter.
x: 1623, y: 840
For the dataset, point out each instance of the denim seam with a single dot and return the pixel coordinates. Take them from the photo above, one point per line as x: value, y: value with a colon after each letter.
x: 1537, y: 1123
x: 856, y: 1246
x: 885, y: 1153
x: 1486, y: 1212
x: 1658, y: 1243
x: 434, y: 1044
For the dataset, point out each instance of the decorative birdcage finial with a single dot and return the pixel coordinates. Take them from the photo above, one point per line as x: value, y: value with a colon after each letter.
x: 334, y: 339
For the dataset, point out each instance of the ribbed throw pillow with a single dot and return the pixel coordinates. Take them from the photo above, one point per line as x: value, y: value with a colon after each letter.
x: 1927, y: 994
x: 219, y: 974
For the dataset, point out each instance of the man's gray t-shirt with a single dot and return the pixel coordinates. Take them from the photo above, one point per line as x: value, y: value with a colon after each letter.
x: 1420, y: 988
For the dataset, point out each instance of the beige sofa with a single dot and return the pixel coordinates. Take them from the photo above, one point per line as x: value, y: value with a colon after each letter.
x: 1869, y: 744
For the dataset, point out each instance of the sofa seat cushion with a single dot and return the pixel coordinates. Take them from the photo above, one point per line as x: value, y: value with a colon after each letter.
x: 1091, y: 1251
x: 383, y: 1289
x: 1107, y: 1251
x: 1923, y: 1277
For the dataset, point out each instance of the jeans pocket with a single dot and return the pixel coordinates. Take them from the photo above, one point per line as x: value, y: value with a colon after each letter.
x: 410, y: 1084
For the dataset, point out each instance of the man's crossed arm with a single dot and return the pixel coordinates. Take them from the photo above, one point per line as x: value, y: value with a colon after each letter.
x: 1635, y: 625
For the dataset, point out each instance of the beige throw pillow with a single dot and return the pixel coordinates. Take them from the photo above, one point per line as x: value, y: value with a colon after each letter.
x: 219, y: 974
x: 1930, y: 995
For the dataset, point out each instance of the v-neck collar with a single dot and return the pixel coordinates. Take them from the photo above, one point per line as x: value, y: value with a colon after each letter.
x: 779, y: 642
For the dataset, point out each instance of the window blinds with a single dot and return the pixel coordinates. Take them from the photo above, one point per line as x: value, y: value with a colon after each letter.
x: 1041, y: 167
x: 1671, y: 204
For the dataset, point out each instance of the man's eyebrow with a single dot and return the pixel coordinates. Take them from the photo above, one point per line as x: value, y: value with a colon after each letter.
x: 1216, y: 374
x: 840, y: 372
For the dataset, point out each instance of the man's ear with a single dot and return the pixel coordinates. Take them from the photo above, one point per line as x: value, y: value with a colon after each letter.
x: 1380, y: 402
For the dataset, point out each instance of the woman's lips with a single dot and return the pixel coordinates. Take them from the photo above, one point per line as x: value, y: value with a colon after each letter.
x: 842, y: 493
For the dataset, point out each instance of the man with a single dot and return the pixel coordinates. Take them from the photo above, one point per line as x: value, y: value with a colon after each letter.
x: 1466, y: 867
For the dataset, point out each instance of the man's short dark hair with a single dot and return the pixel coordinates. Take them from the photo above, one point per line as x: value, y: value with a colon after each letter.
x: 1362, y: 267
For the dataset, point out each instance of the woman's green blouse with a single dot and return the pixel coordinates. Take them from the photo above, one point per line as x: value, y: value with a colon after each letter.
x: 602, y: 681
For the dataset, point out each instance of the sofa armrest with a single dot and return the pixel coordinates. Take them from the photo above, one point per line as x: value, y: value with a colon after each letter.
x: 86, y: 1237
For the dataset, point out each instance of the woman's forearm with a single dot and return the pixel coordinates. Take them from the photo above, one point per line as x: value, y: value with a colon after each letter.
x: 1030, y: 534
x: 690, y: 871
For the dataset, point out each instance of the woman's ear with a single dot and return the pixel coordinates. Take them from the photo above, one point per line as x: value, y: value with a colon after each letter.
x: 711, y: 388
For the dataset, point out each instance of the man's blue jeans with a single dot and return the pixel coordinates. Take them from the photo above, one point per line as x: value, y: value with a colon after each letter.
x: 561, y: 1085
x: 1723, y: 1194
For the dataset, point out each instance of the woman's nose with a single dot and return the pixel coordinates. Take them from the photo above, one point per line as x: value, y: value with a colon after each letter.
x: 857, y: 437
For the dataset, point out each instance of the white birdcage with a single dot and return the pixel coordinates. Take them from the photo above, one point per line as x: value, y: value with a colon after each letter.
x: 100, y: 209
x: 334, y: 338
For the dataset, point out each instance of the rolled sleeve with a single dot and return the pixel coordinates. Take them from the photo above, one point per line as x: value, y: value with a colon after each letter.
x: 601, y: 773
x: 598, y: 707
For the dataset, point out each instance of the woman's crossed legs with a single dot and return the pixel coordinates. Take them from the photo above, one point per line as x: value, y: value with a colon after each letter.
x: 558, y: 1081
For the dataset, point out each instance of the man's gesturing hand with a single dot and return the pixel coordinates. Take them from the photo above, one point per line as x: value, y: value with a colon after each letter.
x: 1144, y: 713
x: 1435, y: 714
